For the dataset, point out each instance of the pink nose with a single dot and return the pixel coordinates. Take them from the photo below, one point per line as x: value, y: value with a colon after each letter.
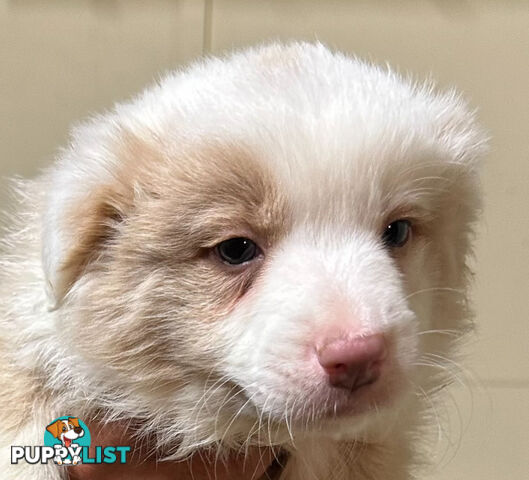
x: 353, y: 362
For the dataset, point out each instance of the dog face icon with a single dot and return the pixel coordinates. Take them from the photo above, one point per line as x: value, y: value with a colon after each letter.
x: 66, y: 430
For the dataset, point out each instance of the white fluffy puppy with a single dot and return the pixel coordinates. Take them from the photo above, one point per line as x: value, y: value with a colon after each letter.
x: 264, y: 249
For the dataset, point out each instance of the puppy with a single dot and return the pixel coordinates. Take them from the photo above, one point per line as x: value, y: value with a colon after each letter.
x: 264, y: 249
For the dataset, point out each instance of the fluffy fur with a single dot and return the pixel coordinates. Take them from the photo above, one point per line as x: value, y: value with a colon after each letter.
x: 113, y: 307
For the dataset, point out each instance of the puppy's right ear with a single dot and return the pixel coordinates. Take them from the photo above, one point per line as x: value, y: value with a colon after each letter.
x: 78, y: 226
x: 93, y: 188
x: 89, y: 192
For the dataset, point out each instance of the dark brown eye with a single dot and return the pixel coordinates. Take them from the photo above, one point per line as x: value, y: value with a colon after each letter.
x: 397, y: 233
x: 64, y: 429
x: 237, y: 251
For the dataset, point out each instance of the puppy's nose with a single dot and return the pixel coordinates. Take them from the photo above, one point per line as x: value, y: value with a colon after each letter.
x: 77, y: 430
x: 353, y: 362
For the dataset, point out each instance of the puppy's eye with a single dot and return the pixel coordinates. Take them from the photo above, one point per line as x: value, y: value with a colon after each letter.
x: 64, y: 429
x: 237, y: 251
x: 397, y: 233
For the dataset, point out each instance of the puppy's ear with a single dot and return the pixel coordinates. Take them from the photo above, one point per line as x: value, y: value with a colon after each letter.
x: 88, y: 193
x: 92, y: 190
x: 77, y: 234
x: 54, y: 428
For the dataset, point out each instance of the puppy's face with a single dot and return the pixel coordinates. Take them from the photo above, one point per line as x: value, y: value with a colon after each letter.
x: 288, y: 261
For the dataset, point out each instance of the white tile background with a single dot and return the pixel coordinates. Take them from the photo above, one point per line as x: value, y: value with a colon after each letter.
x: 61, y: 60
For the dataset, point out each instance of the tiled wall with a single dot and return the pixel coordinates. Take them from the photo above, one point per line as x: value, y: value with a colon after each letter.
x: 61, y: 60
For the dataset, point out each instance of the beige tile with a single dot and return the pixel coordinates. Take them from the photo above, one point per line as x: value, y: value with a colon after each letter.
x: 62, y: 60
x: 489, y: 436
x: 481, y: 47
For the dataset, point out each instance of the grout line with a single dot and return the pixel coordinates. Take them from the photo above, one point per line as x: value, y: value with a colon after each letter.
x: 207, y: 27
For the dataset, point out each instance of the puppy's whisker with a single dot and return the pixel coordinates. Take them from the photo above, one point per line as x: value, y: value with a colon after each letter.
x: 287, y: 421
x: 462, y: 374
x: 232, y: 420
x: 454, y: 291
x: 204, y: 399
x: 449, y: 332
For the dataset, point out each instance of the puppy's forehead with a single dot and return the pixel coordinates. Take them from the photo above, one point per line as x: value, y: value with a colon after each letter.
x: 216, y: 190
x: 208, y: 191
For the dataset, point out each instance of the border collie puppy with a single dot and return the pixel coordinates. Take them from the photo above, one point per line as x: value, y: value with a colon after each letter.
x: 269, y: 248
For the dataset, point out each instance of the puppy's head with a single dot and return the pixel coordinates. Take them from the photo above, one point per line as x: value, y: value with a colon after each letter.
x: 276, y: 237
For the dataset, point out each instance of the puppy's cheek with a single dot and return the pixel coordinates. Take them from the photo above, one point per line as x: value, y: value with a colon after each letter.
x: 126, y: 322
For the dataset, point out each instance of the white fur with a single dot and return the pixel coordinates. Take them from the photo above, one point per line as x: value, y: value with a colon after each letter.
x: 346, y: 142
